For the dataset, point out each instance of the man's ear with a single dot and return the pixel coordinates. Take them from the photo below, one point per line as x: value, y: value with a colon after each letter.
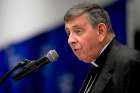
x: 102, y: 31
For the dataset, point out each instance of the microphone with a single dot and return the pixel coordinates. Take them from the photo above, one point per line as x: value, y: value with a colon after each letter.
x: 33, y: 66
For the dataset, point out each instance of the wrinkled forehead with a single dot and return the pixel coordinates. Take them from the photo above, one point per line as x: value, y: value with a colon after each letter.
x: 77, y: 21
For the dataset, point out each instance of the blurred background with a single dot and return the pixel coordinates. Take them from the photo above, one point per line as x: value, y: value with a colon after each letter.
x: 30, y: 28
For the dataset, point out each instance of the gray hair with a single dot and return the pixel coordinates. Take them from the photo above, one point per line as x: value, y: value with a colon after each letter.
x: 96, y: 14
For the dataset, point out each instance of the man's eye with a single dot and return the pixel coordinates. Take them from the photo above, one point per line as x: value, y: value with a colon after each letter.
x: 78, y: 31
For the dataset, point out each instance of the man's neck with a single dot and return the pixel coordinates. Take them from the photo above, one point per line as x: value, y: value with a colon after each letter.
x: 104, y: 47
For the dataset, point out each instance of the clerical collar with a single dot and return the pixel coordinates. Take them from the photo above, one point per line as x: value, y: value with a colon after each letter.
x: 93, y: 62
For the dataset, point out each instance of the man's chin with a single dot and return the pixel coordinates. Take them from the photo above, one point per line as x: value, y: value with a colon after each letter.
x: 84, y: 60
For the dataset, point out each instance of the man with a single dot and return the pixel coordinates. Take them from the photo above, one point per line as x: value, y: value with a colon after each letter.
x: 115, y: 67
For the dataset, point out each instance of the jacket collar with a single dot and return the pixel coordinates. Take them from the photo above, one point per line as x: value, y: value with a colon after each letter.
x: 107, y: 63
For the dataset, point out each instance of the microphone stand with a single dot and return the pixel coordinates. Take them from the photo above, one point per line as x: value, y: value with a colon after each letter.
x: 21, y: 64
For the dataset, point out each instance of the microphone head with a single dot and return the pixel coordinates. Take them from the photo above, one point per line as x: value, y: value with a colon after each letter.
x: 32, y: 66
x: 52, y: 55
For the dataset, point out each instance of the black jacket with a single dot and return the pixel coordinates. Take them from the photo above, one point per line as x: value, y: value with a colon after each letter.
x: 120, y: 70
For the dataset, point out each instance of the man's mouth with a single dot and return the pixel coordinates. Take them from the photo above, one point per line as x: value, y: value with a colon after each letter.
x: 76, y: 50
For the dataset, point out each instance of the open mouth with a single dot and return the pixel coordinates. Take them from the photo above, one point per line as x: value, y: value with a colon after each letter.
x: 76, y: 50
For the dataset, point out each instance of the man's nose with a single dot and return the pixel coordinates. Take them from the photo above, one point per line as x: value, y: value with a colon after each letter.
x: 72, y: 39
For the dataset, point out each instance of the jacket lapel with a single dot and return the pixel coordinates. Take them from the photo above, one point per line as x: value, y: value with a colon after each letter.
x: 103, y: 79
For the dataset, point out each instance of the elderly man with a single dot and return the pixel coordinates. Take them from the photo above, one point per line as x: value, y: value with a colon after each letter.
x: 115, y: 67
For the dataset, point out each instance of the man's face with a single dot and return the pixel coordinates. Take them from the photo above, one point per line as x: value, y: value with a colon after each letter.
x: 83, y: 38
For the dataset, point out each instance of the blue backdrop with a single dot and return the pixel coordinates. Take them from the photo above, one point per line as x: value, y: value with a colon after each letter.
x: 67, y: 73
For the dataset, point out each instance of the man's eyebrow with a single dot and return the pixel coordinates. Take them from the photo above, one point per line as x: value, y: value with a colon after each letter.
x: 77, y: 26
